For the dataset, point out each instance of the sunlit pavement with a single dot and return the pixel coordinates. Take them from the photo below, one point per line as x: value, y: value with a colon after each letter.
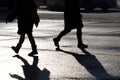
x: 100, y: 61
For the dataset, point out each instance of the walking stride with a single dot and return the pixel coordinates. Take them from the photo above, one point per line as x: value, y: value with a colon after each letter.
x: 72, y: 20
x: 26, y: 13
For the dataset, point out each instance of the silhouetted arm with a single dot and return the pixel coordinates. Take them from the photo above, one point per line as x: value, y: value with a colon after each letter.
x: 16, y: 76
x: 36, y: 16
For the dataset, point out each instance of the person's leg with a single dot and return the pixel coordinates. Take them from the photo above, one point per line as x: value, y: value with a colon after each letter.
x: 57, y: 39
x: 18, y: 46
x: 79, y: 35
x: 33, y: 45
x: 79, y: 38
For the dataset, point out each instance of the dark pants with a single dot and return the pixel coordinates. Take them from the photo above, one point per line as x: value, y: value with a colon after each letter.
x: 66, y: 31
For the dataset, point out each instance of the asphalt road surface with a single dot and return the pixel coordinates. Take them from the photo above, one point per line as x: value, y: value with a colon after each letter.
x: 100, y: 61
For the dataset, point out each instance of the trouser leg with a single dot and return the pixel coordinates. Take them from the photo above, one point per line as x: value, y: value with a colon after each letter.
x: 18, y: 46
x: 57, y: 39
x: 33, y: 45
x: 79, y: 36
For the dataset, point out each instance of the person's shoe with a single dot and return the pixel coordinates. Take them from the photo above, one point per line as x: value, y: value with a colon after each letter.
x: 15, y: 49
x: 33, y: 53
x: 56, y: 42
x: 82, y: 46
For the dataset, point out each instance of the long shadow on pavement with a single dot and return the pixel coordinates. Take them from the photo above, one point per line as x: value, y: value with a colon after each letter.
x: 31, y: 72
x: 91, y: 64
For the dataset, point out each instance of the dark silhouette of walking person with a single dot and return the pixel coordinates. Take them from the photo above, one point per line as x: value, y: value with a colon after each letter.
x: 26, y: 13
x: 72, y: 20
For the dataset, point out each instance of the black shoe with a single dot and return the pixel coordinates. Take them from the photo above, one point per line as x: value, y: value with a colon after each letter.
x: 15, y: 49
x: 82, y: 46
x: 33, y: 53
x: 56, y: 42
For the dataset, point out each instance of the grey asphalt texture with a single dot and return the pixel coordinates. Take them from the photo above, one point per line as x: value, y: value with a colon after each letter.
x: 101, y: 32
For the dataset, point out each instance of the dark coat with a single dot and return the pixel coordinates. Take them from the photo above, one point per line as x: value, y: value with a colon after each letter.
x: 26, y: 13
x: 72, y: 16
